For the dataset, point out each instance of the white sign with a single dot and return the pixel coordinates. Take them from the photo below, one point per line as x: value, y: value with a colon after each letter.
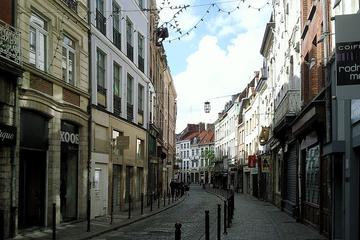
x: 67, y: 137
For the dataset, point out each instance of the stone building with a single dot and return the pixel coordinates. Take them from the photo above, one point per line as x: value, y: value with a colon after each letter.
x: 10, y: 77
x: 52, y: 155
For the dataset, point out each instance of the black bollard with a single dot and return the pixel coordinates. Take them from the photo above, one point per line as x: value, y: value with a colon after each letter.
x: 219, y: 222
x: 2, y: 227
x: 225, y: 221
x: 207, y: 225
x: 129, y: 216
x: 177, y: 231
x: 229, y: 213
x: 54, y: 221
x: 88, y: 217
x: 164, y: 199
x: 151, y: 202
x: 158, y: 199
x: 168, y: 198
x: 142, y: 204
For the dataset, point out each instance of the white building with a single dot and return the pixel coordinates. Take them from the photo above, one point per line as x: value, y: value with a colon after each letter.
x: 120, y: 96
x: 225, y: 137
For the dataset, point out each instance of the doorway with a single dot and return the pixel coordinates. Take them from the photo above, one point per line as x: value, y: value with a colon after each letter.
x: 32, y: 188
x: 100, y: 190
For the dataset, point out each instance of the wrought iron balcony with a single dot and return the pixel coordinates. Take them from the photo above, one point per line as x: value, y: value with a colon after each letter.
x: 117, y: 105
x: 130, y: 51
x: 72, y: 4
x: 10, y: 43
x: 100, y: 22
x: 130, y: 112
x: 288, y: 106
x: 141, y: 63
x: 117, y: 38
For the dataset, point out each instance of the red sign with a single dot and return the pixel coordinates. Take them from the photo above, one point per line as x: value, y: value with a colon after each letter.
x: 252, y: 161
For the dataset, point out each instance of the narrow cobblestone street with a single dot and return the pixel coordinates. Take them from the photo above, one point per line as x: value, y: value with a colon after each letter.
x: 253, y: 219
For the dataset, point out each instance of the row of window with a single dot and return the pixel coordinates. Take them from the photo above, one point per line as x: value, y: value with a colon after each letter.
x: 117, y: 82
x: 117, y: 31
x: 38, y: 49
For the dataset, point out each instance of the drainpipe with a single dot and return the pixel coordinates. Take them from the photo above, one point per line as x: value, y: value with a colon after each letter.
x: 88, y: 210
x: 14, y: 148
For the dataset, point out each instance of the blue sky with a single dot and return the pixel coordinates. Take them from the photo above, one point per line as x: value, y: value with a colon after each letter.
x: 217, y: 58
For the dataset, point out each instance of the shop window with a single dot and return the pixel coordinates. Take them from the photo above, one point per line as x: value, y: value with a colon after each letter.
x: 312, y: 175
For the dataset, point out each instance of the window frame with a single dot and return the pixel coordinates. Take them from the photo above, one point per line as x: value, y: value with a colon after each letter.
x: 38, y: 30
x: 69, y: 49
x: 117, y: 79
x: 129, y: 97
x: 140, y: 97
x: 100, y: 52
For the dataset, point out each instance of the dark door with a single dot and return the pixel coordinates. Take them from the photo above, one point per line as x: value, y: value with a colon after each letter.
x: 68, y: 184
x: 255, y: 185
x: 32, y: 188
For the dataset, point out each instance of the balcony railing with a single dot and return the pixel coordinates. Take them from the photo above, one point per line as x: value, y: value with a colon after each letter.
x: 117, y: 38
x: 117, y: 105
x: 130, y: 51
x: 100, y: 22
x: 289, y: 106
x: 130, y: 112
x: 141, y: 63
x: 10, y: 43
x: 72, y: 4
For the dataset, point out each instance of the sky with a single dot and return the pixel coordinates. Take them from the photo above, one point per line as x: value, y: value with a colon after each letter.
x: 217, y: 58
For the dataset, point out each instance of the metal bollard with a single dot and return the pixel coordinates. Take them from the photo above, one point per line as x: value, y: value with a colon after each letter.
x: 151, y: 202
x: 168, y: 198
x: 2, y: 227
x: 158, y: 199
x: 207, y: 225
x: 88, y: 217
x: 142, y: 203
x: 177, y: 231
x: 219, y: 222
x: 54, y: 221
x: 225, y: 222
x: 164, y: 198
x: 129, y: 216
x: 229, y: 213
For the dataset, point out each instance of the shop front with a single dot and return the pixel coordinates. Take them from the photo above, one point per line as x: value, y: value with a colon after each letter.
x: 69, y: 136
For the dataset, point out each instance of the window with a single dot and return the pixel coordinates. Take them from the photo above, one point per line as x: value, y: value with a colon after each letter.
x: 140, y: 98
x: 117, y: 88
x: 130, y: 88
x: 100, y: 66
x: 129, y: 39
x: 116, y: 26
x: 141, y: 52
x: 117, y: 150
x: 68, y: 60
x: 117, y: 80
x: 100, y: 18
x: 141, y: 4
x: 38, y: 39
x: 130, y: 107
x: 139, y: 149
x: 97, y: 175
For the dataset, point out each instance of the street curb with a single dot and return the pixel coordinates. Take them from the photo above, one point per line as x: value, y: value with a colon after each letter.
x: 219, y: 196
x: 133, y: 221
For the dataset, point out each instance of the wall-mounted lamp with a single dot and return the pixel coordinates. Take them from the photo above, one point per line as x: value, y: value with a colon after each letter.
x: 323, y: 36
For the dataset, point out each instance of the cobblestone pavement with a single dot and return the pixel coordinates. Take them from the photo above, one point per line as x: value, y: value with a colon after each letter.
x: 190, y: 213
x: 254, y: 219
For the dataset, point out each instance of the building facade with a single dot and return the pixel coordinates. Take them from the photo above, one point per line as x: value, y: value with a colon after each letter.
x: 10, y: 77
x: 120, y: 113
x: 53, y: 100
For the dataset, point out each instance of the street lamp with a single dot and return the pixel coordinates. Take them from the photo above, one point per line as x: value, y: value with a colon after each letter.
x: 207, y: 107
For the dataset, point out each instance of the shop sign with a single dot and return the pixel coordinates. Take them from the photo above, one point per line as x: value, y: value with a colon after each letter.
x: 7, y: 135
x: 347, y: 56
x: 122, y: 142
x: 68, y: 137
x: 252, y: 161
